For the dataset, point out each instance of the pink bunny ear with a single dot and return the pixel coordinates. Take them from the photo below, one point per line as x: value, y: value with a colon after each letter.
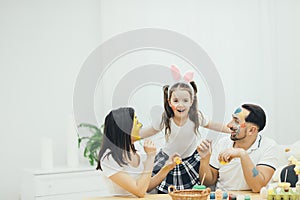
x: 188, y: 77
x: 175, y: 73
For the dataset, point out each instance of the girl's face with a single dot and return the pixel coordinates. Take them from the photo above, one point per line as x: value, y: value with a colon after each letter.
x: 135, y: 132
x: 180, y: 102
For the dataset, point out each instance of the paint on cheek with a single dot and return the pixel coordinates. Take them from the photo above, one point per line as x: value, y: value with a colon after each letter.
x: 254, y: 172
x: 238, y: 129
x: 173, y: 107
x: 136, y: 129
x: 243, y: 125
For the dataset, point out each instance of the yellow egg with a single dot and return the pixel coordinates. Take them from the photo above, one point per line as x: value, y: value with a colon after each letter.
x: 222, y: 162
x: 177, y: 160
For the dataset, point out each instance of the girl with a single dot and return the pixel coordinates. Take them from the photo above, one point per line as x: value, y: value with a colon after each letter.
x: 181, y: 120
x: 126, y: 170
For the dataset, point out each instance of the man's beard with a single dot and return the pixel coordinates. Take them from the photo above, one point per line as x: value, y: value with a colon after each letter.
x: 234, y: 138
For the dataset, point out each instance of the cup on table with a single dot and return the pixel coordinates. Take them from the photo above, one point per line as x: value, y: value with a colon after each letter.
x: 285, y: 186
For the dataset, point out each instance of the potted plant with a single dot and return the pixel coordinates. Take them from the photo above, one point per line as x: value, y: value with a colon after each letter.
x: 93, y: 143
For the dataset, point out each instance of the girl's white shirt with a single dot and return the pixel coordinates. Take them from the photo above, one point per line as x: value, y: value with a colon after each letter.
x: 111, y: 167
x: 182, y: 139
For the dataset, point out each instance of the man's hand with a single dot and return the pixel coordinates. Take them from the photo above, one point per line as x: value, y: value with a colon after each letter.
x: 204, y: 149
x: 228, y: 154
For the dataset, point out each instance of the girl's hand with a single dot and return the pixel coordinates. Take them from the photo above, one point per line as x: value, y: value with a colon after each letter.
x: 149, y: 147
x: 204, y: 149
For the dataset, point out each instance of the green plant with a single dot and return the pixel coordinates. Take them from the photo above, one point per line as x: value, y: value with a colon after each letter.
x: 93, y: 143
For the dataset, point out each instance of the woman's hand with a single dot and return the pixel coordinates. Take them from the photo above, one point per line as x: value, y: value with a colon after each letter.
x: 149, y: 147
x: 173, y: 160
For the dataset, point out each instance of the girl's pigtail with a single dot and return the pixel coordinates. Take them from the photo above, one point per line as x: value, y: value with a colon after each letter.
x: 168, y: 111
x: 194, y: 113
x: 194, y: 86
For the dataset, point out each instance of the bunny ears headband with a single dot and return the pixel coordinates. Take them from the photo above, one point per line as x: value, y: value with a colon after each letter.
x: 188, y: 76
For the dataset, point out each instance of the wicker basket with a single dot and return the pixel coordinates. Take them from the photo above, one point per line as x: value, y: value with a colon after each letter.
x: 188, y: 194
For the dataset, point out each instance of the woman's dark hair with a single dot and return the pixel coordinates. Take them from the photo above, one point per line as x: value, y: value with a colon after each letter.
x: 256, y: 116
x: 193, y: 112
x: 117, y: 136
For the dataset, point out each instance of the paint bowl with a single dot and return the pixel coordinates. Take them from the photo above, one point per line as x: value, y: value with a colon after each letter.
x: 285, y: 186
x: 199, y: 187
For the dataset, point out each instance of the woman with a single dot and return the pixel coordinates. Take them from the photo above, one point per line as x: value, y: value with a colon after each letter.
x: 126, y: 169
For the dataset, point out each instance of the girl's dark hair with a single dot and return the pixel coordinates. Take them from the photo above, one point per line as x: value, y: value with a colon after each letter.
x: 256, y: 116
x: 193, y: 112
x: 117, y: 136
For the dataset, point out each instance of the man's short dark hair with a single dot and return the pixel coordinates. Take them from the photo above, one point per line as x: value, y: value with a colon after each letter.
x: 256, y: 116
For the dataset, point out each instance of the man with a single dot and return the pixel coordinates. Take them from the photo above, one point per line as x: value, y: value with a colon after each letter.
x: 246, y: 160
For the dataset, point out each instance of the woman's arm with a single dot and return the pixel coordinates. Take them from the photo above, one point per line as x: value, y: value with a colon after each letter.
x: 161, y: 175
x: 138, y: 186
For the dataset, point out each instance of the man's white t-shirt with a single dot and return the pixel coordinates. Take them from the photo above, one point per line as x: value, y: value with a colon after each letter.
x: 231, y: 177
x: 111, y: 167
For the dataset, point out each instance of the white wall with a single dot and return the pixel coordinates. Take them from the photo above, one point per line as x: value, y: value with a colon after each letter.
x: 43, y: 45
x: 254, y: 45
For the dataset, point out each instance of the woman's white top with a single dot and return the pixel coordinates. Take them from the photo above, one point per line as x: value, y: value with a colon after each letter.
x: 111, y: 167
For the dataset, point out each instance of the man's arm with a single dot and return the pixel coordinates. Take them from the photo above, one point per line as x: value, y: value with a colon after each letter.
x: 255, y: 176
x: 211, y: 174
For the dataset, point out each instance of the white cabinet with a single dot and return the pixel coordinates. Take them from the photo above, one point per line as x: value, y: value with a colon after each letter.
x: 62, y: 184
